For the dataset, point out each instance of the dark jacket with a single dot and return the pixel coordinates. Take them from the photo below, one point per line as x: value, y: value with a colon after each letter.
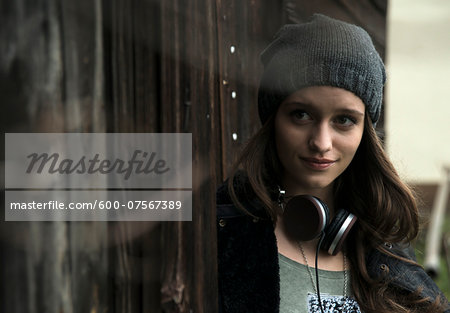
x: 248, y: 261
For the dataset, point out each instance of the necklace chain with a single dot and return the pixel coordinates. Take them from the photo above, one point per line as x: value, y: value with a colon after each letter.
x: 312, y: 277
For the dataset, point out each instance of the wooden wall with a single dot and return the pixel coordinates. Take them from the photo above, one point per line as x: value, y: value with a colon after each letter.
x: 136, y: 66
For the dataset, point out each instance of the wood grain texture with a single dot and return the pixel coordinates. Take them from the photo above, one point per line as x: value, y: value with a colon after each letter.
x: 244, y: 28
x: 189, y: 62
x: 53, y: 66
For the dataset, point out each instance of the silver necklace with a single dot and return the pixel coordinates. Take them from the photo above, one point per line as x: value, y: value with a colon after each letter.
x: 311, y: 275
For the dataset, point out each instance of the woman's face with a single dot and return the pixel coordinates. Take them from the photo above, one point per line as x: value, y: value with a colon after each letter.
x: 317, y: 132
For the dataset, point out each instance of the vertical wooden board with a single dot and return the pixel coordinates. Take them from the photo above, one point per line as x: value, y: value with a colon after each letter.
x: 202, y: 55
x: 243, y: 31
x: 16, y: 270
x: 31, y: 65
x: 189, y: 274
x: 230, y: 52
x: 80, y: 31
x: 133, y: 41
x: 122, y: 77
x: 34, y: 265
x: 82, y: 46
x: 126, y: 83
x: 175, y: 295
x: 88, y: 259
x: 108, y: 71
x: 127, y: 265
x: 131, y: 52
x: 48, y: 256
x: 146, y: 40
x: 151, y: 271
x: 146, y: 32
x: 98, y: 109
x: 130, y: 269
x: 34, y: 255
x: 172, y: 68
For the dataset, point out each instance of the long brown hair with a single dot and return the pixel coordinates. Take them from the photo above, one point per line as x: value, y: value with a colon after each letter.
x: 371, y: 189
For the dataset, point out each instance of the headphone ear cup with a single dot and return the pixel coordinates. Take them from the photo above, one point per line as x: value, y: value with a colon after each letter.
x: 305, y: 217
x: 337, y: 231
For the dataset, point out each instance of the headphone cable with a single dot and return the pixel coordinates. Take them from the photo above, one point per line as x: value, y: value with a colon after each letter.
x: 317, y: 271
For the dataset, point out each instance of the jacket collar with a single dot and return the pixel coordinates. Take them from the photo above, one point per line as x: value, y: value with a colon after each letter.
x: 225, y: 206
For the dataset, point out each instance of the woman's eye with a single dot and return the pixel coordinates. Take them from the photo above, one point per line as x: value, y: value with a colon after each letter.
x: 345, y: 121
x: 299, y: 115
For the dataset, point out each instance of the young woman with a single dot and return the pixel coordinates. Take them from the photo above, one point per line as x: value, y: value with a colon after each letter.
x: 316, y: 176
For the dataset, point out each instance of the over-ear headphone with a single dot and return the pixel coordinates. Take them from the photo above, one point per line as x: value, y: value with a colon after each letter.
x: 306, y: 217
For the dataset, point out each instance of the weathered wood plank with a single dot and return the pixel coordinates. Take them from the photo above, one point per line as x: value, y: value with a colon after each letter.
x: 189, y: 280
x: 175, y: 296
x: 172, y: 70
x: 244, y: 28
x: 146, y: 32
x: 132, y: 39
x: 204, y: 96
x: 56, y: 89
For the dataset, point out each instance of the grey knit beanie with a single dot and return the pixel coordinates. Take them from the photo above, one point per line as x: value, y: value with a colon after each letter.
x: 322, y: 52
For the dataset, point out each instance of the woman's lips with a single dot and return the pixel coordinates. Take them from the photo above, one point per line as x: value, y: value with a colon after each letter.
x: 318, y: 164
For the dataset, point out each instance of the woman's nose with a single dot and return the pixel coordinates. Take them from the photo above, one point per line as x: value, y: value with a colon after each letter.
x: 321, y: 138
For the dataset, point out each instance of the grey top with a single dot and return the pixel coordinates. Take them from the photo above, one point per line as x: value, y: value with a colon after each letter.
x: 298, y: 295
